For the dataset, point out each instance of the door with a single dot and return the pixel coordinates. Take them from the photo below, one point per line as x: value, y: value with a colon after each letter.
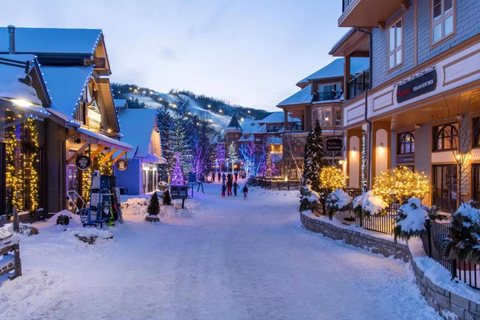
x: 445, y: 187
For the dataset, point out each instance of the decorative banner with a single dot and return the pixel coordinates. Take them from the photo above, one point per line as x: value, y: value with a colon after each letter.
x: 122, y: 165
x: 420, y: 85
x: 83, y: 162
x: 334, y: 144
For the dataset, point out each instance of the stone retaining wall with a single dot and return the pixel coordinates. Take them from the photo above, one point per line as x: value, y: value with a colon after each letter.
x: 448, y: 304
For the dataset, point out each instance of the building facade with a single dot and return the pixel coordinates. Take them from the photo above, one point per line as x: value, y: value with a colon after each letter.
x: 421, y: 107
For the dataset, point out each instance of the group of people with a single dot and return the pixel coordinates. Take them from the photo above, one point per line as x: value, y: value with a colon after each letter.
x: 228, y: 183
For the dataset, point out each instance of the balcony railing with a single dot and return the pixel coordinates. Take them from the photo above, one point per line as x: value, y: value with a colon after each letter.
x: 358, y: 84
x: 326, y: 96
x: 345, y: 4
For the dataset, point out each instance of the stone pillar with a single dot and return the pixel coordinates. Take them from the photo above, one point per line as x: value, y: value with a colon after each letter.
x: 354, y: 157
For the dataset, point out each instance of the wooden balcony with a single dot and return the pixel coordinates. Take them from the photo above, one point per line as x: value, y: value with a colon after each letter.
x: 369, y: 13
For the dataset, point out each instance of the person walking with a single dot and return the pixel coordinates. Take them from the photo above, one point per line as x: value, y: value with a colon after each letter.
x: 229, y: 187
x: 236, y: 176
x: 219, y: 176
x: 213, y: 176
x: 235, y: 187
x: 224, y: 177
x: 245, y: 191
x: 224, y: 188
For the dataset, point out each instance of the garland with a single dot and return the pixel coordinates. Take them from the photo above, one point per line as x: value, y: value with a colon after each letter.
x: 14, y: 179
x: 31, y: 161
x: 106, y: 169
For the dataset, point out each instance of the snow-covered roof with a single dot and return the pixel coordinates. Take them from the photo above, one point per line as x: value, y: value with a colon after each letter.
x: 66, y: 85
x: 301, y: 97
x: 336, y: 69
x: 234, y: 124
x: 51, y: 40
x: 117, y: 144
x: 275, y: 140
x: 277, y: 117
x: 120, y: 103
x: 10, y: 86
x: 137, y: 127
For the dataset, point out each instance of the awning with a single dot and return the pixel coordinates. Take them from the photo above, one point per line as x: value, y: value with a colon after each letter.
x: 95, y: 137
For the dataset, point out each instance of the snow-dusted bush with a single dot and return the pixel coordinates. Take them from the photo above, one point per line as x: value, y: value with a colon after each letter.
x: 309, y: 199
x: 337, y: 200
x: 411, y: 218
x: 368, y: 204
x: 332, y: 178
x: 463, y: 242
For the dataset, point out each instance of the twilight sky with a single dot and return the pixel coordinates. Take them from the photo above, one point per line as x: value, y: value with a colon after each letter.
x: 249, y: 52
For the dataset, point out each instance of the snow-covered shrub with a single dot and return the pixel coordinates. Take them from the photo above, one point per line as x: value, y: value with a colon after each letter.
x: 400, y: 184
x: 411, y: 218
x: 368, y: 204
x: 309, y: 199
x: 337, y: 200
x: 463, y: 242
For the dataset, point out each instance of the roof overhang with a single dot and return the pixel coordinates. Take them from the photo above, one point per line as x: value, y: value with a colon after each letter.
x: 354, y: 44
x: 370, y: 13
x: 98, y: 138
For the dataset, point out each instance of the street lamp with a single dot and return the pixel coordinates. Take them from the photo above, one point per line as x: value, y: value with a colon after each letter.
x: 462, y: 160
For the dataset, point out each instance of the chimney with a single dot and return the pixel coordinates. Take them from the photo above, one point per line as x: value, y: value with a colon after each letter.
x: 11, y: 39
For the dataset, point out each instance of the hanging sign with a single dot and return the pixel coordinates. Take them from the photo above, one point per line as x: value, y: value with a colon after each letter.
x: 416, y: 87
x: 83, y: 162
x: 334, y: 144
x: 121, y: 165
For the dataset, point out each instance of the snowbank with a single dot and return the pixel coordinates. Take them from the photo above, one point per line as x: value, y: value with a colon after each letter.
x: 414, y: 216
x: 135, y: 207
x: 171, y: 212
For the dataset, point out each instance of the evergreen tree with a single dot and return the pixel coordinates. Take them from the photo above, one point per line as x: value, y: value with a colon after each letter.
x: 232, y: 153
x: 166, y: 126
x: 177, y: 176
x: 153, y: 208
x: 314, y: 159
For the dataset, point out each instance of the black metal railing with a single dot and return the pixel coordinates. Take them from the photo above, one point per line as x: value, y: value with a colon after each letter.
x: 432, y: 243
x: 381, y: 223
x: 326, y: 96
x: 358, y: 84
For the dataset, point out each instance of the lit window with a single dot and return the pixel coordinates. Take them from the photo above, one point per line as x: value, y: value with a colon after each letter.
x: 395, y: 44
x: 442, y: 19
x: 446, y: 137
x: 406, y: 143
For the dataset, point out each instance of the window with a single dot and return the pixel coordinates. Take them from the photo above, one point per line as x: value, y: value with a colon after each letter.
x: 446, y: 137
x: 338, y: 116
x: 395, y: 44
x: 442, y: 19
x: 406, y: 143
x: 476, y: 133
x: 445, y: 187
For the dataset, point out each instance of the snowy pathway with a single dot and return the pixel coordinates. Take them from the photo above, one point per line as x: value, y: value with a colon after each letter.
x: 235, y: 259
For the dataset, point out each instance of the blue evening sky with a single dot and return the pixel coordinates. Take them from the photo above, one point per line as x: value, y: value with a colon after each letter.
x: 249, y: 52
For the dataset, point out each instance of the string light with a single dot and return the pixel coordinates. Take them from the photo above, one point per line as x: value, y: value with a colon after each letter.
x: 401, y: 184
x: 332, y: 178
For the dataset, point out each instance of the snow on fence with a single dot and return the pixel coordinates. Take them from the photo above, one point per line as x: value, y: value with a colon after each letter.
x: 432, y: 243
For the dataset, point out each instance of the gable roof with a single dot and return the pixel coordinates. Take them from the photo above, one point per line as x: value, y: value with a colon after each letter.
x: 336, y: 69
x: 277, y: 117
x: 66, y: 85
x: 120, y: 103
x: 301, y: 97
x: 234, y: 124
x: 137, y: 127
x: 54, y: 41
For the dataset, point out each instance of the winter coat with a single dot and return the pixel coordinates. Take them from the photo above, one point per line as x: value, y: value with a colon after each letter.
x: 229, y: 183
x: 235, y: 186
x: 224, y: 188
x: 245, y: 189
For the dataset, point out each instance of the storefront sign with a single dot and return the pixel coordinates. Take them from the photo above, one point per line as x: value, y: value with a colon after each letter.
x: 334, y: 144
x: 94, y: 118
x: 427, y: 82
x: 122, y: 165
x: 83, y: 162
x: 405, y: 159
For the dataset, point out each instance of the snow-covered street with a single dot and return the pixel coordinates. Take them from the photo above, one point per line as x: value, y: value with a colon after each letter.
x: 233, y: 259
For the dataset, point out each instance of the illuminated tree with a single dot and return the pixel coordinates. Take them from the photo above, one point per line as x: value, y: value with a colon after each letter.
x: 332, y: 178
x: 232, y: 154
x: 177, y: 177
x: 401, y: 184
x: 31, y: 161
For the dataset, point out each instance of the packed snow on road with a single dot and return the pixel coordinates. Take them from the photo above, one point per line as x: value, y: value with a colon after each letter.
x: 228, y: 258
